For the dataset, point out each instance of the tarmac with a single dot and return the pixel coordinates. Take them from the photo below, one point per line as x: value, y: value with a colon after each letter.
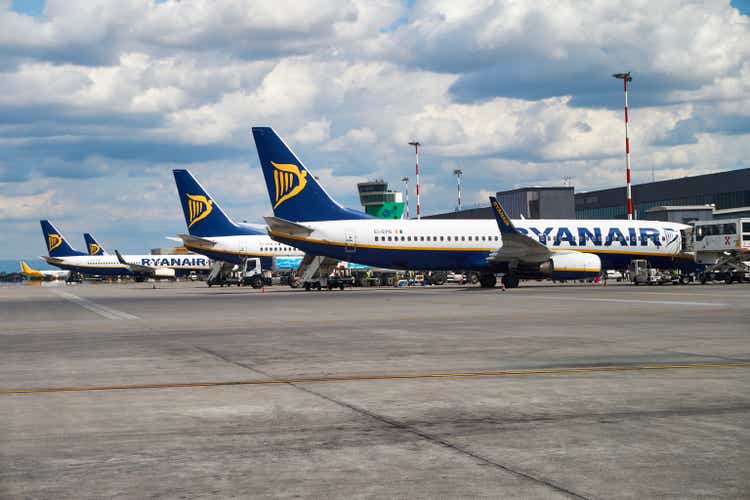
x: 181, y: 391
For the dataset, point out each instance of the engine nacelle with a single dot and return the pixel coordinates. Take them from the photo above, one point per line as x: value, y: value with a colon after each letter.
x: 572, y: 266
x: 164, y: 272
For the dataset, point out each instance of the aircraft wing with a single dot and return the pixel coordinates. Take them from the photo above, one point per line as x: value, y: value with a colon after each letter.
x: 276, y: 224
x: 136, y: 268
x: 516, y: 245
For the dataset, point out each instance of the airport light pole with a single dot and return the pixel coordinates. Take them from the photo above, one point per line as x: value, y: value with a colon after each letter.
x: 416, y: 152
x: 458, y: 173
x: 406, y: 194
x: 625, y: 77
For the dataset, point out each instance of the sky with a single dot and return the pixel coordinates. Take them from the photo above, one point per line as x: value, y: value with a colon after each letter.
x: 101, y: 100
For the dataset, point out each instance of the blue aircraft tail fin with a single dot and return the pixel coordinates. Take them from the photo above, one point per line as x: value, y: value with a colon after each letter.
x: 57, y: 245
x: 92, y: 246
x: 503, y: 221
x: 294, y: 192
x: 203, y: 215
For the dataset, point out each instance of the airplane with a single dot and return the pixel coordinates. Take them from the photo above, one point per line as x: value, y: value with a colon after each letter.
x: 306, y: 216
x: 146, y: 269
x: 62, y: 255
x: 214, y: 234
x: 42, y: 274
x: 93, y: 247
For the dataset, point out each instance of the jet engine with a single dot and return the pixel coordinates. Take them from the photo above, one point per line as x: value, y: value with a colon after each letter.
x: 571, y: 265
x: 164, y: 272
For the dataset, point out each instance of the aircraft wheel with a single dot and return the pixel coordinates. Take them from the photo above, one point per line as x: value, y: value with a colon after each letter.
x: 511, y: 281
x: 488, y: 280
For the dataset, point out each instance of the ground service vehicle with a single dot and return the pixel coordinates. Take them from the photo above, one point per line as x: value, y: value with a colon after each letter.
x: 248, y: 273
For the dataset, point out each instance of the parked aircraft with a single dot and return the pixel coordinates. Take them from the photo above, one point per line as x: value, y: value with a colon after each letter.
x: 62, y: 255
x: 42, y: 274
x: 307, y: 217
x: 214, y: 234
x: 92, y: 246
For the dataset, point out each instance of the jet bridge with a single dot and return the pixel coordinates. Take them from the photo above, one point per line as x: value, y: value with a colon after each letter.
x: 723, y: 246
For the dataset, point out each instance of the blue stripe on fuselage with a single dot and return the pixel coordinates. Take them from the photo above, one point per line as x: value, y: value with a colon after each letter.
x: 396, y: 259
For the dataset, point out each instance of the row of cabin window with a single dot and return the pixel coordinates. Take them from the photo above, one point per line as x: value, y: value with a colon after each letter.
x: 435, y: 238
x: 273, y: 249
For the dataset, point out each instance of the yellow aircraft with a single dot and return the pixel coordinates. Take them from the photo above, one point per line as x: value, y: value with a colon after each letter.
x: 42, y: 274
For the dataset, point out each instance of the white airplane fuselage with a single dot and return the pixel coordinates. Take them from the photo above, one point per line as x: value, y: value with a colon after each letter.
x: 108, y: 264
x: 273, y: 254
x: 447, y: 244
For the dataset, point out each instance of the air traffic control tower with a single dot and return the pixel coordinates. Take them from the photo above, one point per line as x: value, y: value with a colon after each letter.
x: 379, y: 201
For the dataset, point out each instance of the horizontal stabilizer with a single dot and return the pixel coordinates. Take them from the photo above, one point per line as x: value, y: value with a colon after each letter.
x: 278, y: 225
x: 51, y: 260
x: 196, y: 241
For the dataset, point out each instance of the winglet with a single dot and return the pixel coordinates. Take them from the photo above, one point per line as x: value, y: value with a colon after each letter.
x: 503, y: 221
x: 120, y: 259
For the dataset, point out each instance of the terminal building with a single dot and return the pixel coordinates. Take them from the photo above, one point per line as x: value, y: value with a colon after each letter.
x: 724, y: 191
x: 528, y: 202
x: 719, y: 195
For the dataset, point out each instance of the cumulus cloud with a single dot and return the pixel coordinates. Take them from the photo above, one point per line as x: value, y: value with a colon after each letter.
x: 102, y: 98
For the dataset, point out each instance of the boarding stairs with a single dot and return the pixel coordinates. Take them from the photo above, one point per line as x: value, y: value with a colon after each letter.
x: 218, y: 268
x: 316, y: 268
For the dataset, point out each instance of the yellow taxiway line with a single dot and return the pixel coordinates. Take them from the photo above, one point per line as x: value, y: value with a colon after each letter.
x: 358, y: 378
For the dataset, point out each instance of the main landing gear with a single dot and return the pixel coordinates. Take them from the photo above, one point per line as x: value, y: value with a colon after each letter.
x: 511, y: 280
x: 487, y: 280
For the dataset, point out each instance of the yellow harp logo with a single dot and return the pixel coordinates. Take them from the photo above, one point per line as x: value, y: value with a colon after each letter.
x: 53, y: 241
x: 93, y: 249
x: 289, y: 181
x: 199, y: 207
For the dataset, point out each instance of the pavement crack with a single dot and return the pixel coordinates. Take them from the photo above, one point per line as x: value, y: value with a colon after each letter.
x: 231, y: 361
x: 444, y: 443
x: 436, y: 440
x: 717, y: 356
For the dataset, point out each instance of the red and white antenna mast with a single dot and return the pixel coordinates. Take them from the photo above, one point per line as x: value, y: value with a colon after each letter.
x: 625, y: 77
x: 416, y: 151
x: 406, y: 194
x: 458, y: 173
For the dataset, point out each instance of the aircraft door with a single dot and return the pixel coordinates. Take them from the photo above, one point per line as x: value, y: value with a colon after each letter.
x: 686, y: 237
x: 350, y: 239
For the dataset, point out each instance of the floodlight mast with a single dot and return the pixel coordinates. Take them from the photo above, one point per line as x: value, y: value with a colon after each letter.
x: 416, y: 152
x: 458, y: 173
x: 625, y: 77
